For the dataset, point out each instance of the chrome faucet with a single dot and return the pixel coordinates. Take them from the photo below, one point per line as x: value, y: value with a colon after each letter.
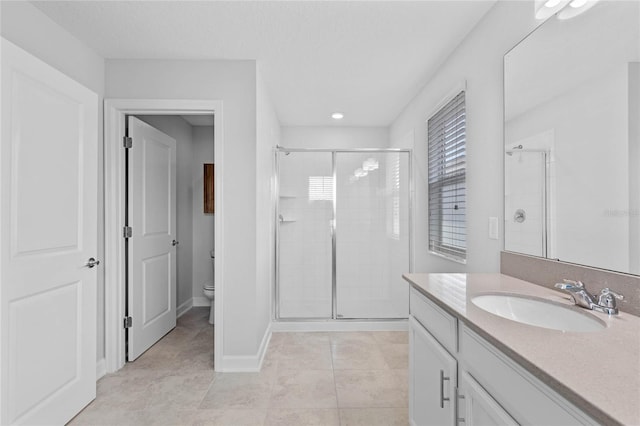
x: 606, y: 301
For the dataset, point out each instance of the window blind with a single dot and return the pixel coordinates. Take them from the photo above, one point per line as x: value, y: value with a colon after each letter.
x: 447, y: 179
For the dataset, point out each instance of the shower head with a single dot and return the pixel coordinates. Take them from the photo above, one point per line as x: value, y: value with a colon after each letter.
x: 510, y: 151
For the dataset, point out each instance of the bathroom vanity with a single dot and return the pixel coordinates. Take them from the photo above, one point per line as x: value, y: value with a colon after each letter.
x: 469, y: 366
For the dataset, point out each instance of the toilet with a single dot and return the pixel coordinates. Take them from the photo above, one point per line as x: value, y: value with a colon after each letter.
x: 209, y: 289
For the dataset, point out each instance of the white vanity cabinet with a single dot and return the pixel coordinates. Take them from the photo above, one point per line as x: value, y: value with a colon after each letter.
x: 432, y: 380
x: 476, y: 407
x: 458, y: 378
x: 522, y: 395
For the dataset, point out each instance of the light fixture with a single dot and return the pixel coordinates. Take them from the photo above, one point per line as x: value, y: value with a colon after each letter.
x: 360, y: 173
x: 552, y: 3
x: 370, y: 164
x: 576, y: 7
x: 547, y: 8
x: 577, y: 3
x: 565, y: 9
x: 337, y: 116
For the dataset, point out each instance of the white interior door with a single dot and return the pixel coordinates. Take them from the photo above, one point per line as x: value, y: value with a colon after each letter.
x: 48, y: 231
x: 151, y: 248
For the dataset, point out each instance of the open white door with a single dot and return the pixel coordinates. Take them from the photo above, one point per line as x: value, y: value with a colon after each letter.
x: 48, y: 233
x: 152, y: 245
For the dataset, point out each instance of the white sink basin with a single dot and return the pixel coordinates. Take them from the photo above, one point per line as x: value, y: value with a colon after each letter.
x: 539, y: 312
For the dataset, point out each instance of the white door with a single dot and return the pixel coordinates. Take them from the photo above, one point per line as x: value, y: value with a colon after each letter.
x: 432, y: 379
x: 48, y: 231
x: 151, y: 248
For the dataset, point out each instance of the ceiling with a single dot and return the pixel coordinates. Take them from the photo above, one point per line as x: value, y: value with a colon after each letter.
x: 367, y: 59
x: 199, y: 119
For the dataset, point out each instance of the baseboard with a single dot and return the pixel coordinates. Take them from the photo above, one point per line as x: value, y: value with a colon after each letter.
x: 200, y: 301
x: 338, y: 325
x: 184, y: 307
x: 246, y: 363
x: 101, y: 368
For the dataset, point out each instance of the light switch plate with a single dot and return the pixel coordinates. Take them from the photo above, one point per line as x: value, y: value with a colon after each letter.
x: 493, y: 228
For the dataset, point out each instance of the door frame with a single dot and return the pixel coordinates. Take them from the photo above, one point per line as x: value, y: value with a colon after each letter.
x: 115, y: 111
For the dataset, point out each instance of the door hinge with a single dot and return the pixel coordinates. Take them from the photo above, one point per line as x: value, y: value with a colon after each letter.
x: 127, y: 232
x: 127, y: 142
x: 128, y: 322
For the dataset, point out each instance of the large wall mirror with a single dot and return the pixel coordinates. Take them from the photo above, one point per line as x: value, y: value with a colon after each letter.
x: 572, y: 139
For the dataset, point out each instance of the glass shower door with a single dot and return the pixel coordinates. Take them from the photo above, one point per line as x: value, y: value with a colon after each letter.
x: 372, y: 234
x: 525, y: 202
x: 304, y: 255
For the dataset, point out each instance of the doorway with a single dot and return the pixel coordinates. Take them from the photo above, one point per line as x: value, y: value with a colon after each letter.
x: 116, y: 112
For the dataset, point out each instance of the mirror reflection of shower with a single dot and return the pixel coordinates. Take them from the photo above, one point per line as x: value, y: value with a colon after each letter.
x: 526, y: 197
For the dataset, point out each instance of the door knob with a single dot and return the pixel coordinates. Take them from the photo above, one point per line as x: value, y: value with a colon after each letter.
x: 92, y: 262
x: 175, y: 243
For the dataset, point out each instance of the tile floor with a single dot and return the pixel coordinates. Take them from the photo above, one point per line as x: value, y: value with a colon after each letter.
x: 350, y: 378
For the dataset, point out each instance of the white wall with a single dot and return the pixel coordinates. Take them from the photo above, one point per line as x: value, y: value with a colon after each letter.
x: 478, y: 60
x: 203, y: 223
x: 182, y: 132
x: 335, y: 137
x: 234, y: 83
x: 24, y: 25
x: 267, y: 137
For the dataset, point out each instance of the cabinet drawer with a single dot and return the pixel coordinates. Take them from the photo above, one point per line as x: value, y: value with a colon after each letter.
x: 524, y: 397
x: 441, y: 325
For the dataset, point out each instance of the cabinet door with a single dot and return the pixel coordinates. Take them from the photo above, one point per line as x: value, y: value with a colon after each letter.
x: 432, y: 379
x: 477, y: 407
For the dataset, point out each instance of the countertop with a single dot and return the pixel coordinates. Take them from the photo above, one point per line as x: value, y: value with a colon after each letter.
x: 599, y: 371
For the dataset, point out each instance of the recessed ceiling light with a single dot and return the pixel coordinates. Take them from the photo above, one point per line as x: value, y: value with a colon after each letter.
x: 337, y: 116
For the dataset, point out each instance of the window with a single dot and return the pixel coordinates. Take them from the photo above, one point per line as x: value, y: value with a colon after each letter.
x: 447, y: 177
x: 320, y: 188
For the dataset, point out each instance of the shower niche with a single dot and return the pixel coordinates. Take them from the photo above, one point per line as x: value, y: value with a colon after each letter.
x: 342, y: 234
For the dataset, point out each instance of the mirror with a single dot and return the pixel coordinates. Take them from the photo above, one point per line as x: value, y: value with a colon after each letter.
x: 572, y: 139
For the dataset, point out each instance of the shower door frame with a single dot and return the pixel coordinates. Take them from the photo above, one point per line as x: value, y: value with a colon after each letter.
x: 546, y: 204
x: 276, y: 208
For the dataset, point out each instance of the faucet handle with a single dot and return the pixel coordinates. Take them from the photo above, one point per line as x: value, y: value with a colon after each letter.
x: 608, y: 298
x: 569, y: 284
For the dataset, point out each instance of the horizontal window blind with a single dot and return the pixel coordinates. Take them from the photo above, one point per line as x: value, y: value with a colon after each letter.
x: 447, y: 180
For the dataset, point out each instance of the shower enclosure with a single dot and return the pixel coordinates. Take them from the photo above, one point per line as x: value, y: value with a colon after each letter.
x: 342, y: 234
x: 526, y: 201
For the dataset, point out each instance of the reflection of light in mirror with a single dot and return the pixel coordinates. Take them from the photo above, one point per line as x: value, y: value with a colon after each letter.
x: 395, y: 190
x: 360, y: 173
x: 320, y: 188
x: 370, y: 164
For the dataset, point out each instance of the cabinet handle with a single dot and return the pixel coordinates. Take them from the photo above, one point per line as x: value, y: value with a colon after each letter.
x: 458, y: 396
x: 442, y: 397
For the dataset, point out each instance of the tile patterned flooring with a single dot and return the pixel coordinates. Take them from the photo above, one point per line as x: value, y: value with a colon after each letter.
x: 347, y: 378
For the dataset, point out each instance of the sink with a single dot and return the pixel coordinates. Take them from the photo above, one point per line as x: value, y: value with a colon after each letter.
x: 539, y: 312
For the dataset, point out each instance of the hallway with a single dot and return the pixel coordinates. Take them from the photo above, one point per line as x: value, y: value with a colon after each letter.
x: 349, y: 378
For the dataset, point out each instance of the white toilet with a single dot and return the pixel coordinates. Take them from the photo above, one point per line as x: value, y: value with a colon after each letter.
x: 210, y: 289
